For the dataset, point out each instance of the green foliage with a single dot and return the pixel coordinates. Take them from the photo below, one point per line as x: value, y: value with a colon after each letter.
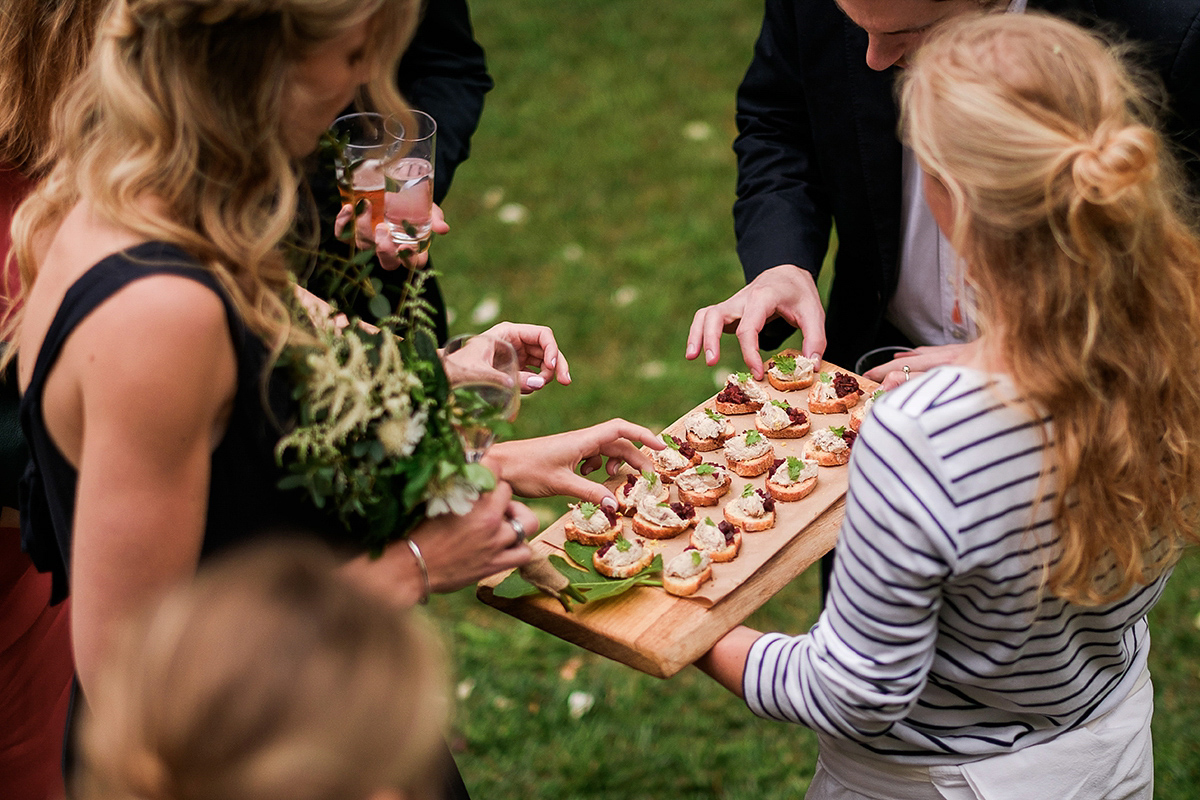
x: 589, y: 583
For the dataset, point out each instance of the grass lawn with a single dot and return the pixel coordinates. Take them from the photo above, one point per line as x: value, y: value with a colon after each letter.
x: 597, y: 201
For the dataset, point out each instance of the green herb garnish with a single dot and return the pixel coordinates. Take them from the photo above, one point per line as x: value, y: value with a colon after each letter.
x: 839, y: 431
x: 713, y: 415
x: 781, y: 403
x: 878, y: 393
x: 825, y: 377
x: 696, y: 558
x: 748, y: 490
x: 786, y: 364
x: 705, y: 469
x: 671, y: 441
x: 741, y: 377
x: 588, y: 509
x: 623, y: 544
x: 753, y: 437
x: 795, y: 467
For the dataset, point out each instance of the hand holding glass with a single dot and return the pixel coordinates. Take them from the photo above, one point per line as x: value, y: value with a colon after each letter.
x: 483, y: 378
x: 408, y: 204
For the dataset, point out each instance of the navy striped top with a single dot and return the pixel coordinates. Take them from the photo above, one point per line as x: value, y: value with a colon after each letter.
x: 934, y: 647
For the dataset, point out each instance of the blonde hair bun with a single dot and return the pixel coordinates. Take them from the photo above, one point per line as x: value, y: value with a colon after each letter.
x: 1125, y: 159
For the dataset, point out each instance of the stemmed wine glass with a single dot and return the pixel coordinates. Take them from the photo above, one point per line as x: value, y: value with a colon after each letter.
x: 484, y: 389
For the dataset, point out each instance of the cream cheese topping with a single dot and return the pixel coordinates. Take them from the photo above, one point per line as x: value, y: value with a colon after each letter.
x: 773, y: 418
x: 708, y: 537
x: 752, y: 390
x: 804, y: 370
x: 751, y: 505
x: 737, y: 448
x: 641, y: 488
x: 703, y: 426
x: 659, y: 514
x: 596, y: 523
x: 693, y: 481
x: 685, y: 565
x: 823, y: 393
x: 671, y: 459
x: 615, y: 557
x: 783, y: 476
x: 829, y: 441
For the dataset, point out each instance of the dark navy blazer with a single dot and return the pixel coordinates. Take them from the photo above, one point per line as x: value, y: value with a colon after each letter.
x: 818, y: 146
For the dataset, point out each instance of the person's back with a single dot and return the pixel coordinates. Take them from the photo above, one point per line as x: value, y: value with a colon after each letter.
x: 1010, y: 521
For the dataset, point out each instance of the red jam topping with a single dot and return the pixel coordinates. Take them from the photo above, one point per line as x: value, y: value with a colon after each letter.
x: 845, y: 384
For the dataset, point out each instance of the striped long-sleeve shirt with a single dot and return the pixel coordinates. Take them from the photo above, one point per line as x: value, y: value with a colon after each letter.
x: 934, y: 647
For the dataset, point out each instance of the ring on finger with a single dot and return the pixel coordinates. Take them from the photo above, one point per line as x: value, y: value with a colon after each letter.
x: 518, y: 528
x: 907, y: 372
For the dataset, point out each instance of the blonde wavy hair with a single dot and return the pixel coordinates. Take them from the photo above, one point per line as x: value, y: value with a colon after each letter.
x: 173, y: 132
x: 43, y: 46
x: 1069, y: 213
x: 267, y: 678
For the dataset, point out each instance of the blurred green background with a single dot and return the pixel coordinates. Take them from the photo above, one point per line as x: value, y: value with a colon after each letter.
x: 597, y: 201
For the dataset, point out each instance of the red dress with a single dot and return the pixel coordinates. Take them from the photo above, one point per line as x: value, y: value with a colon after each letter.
x: 36, y: 668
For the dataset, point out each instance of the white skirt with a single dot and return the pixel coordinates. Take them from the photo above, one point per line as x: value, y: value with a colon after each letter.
x: 1110, y: 758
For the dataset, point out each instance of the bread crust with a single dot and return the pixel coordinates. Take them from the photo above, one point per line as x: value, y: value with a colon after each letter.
x: 729, y: 553
x: 749, y: 523
x: 685, y: 586
x: 737, y: 408
x: 627, y: 571
x: 753, y: 467
x: 629, y: 509
x: 593, y: 539
x: 837, y: 406
x: 708, y: 445
x: 668, y: 475
x: 790, y: 493
x: 827, y: 459
x: 789, y: 386
x: 650, y: 530
x: 709, y: 497
x: 790, y: 432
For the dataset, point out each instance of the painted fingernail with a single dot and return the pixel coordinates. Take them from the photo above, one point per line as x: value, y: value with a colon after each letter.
x: 608, y: 504
x: 708, y: 355
x: 536, y: 382
x: 552, y: 363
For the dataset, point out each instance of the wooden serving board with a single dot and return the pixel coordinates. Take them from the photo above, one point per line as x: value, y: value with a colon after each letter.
x: 658, y: 633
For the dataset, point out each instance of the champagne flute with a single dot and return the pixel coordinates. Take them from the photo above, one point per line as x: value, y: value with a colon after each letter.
x: 482, y: 371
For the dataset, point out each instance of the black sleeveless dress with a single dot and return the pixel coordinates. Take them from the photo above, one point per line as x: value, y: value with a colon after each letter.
x: 244, y: 500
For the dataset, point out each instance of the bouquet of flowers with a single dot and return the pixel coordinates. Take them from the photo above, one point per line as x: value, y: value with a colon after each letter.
x: 374, y: 438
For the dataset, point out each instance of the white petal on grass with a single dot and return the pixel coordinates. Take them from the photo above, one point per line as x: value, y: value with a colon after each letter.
x: 697, y: 131
x: 503, y: 703
x: 579, y: 703
x: 486, y: 312
x: 464, y: 689
x: 652, y: 369
x: 625, y: 296
x: 572, y: 251
x: 493, y: 197
x: 512, y: 213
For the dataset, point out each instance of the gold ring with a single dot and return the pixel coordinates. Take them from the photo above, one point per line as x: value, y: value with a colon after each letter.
x: 907, y: 372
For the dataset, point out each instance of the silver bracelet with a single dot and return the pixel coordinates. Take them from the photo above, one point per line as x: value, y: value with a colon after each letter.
x: 416, y: 551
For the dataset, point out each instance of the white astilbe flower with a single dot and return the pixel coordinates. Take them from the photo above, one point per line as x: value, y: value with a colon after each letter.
x: 401, y: 433
x: 453, y: 496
